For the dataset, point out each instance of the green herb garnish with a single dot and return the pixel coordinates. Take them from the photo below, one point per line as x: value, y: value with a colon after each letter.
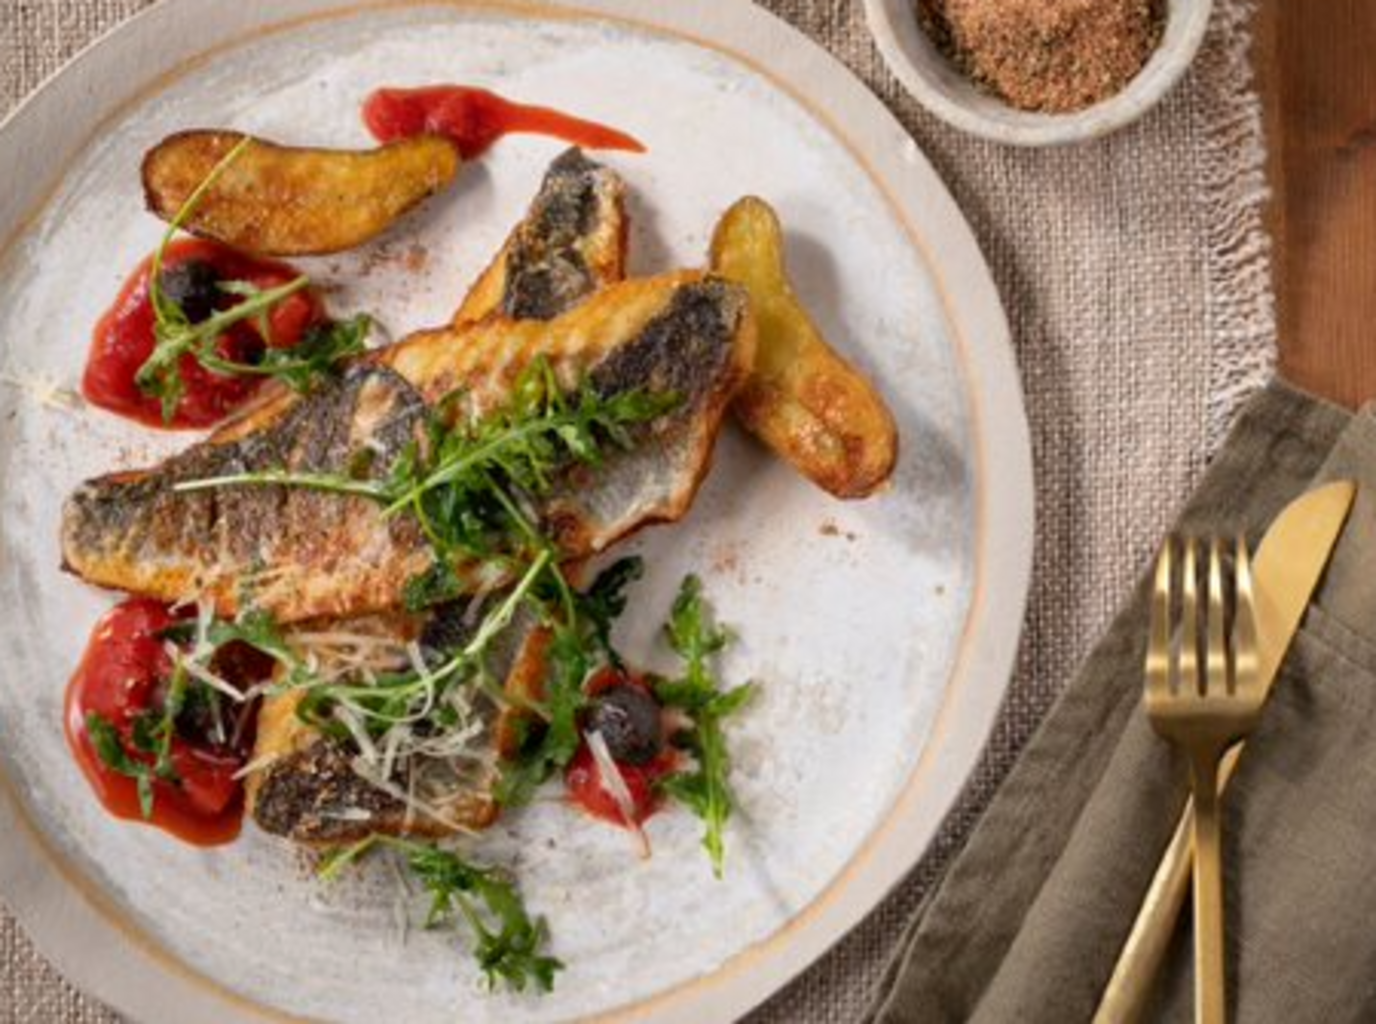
x: 581, y: 640
x: 550, y: 745
x: 706, y: 789
x: 109, y: 747
x: 408, y: 698
x: 604, y: 601
x: 315, y: 356
x: 508, y: 943
x: 161, y: 374
x: 152, y: 731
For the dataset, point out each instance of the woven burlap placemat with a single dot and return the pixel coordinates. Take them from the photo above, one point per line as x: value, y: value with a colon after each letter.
x: 1135, y: 275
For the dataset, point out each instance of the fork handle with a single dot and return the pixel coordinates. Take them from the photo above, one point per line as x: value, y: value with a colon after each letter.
x: 1210, y: 1000
x: 1129, y: 990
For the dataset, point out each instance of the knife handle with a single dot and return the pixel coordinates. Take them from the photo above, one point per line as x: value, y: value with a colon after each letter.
x: 1129, y: 989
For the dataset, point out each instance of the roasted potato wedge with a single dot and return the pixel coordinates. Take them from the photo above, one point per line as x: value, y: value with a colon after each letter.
x: 801, y: 398
x: 284, y: 201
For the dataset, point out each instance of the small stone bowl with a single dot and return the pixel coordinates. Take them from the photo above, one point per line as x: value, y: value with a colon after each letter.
x: 946, y: 92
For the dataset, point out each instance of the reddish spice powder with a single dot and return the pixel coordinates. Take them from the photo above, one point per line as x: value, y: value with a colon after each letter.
x: 1047, y: 55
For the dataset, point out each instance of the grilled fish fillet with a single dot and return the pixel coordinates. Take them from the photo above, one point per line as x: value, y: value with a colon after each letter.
x: 571, y: 243
x: 300, y: 555
x: 306, y: 787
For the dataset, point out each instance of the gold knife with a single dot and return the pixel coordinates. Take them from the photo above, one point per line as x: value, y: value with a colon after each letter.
x: 1286, y: 570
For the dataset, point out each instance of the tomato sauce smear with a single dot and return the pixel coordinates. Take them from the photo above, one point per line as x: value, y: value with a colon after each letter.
x: 583, y: 777
x: 123, y: 340
x: 122, y: 675
x: 476, y: 118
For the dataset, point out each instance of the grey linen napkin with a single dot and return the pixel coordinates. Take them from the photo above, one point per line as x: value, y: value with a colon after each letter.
x: 1029, y: 920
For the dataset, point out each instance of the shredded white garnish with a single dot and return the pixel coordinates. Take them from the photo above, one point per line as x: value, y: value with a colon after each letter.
x: 198, y: 671
x: 205, y: 616
x: 334, y: 640
x: 257, y: 765
x: 609, y: 777
x: 401, y: 910
x: 349, y: 814
x: 407, y: 799
x: 349, y: 717
x: 390, y: 745
x: 434, y: 747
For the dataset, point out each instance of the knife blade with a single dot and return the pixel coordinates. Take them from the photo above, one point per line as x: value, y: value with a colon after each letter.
x: 1286, y: 570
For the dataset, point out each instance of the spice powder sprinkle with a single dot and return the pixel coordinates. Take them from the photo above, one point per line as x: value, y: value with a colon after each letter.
x: 1053, y: 56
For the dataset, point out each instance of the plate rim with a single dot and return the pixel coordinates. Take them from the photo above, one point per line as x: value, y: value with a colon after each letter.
x: 73, y: 921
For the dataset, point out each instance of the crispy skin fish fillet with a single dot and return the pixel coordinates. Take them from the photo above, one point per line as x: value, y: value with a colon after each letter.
x: 307, y: 789
x: 305, y: 786
x: 300, y: 555
x: 571, y: 243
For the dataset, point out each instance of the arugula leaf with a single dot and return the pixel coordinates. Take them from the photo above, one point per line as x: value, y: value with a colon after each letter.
x: 508, y: 942
x: 256, y: 628
x: 436, y: 585
x: 301, y: 367
x: 109, y: 747
x: 160, y: 376
x: 557, y: 741
x: 706, y: 788
x: 603, y: 602
x: 153, y: 732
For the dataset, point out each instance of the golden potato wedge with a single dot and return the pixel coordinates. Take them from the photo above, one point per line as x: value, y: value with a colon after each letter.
x: 802, y: 399
x: 283, y: 201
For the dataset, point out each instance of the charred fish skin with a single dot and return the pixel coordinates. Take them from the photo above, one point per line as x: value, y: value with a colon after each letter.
x: 547, y: 270
x: 696, y: 350
x: 685, y: 350
x: 571, y: 243
x: 314, y: 554
x: 136, y: 532
x: 314, y: 797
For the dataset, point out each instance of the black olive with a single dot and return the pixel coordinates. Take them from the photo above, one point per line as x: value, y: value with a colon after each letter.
x: 628, y: 719
x: 194, y: 287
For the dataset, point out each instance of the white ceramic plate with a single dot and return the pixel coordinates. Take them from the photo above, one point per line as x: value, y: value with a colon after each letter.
x: 883, y: 631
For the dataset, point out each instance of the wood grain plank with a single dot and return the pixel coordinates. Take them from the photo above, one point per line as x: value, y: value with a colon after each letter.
x: 1316, y: 61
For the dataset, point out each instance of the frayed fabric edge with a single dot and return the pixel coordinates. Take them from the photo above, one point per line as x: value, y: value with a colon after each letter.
x: 1232, y: 192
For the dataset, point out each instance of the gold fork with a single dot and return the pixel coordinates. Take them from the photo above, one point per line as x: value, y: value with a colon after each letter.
x: 1203, y: 693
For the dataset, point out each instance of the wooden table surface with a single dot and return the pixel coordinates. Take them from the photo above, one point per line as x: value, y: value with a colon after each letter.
x: 1316, y: 62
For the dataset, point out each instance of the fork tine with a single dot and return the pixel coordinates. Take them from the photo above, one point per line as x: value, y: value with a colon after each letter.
x: 1216, y: 667
x: 1246, y: 647
x: 1159, y: 632
x: 1190, y: 675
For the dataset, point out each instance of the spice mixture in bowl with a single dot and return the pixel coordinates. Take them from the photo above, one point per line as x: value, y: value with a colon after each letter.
x: 1038, y: 72
x: 1048, y: 55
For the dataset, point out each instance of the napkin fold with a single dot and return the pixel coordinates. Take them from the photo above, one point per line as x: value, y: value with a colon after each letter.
x: 1030, y: 918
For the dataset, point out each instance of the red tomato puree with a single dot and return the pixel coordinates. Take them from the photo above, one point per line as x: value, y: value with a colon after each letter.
x: 476, y: 118
x: 122, y: 675
x: 124, y: 339
x: 583, y: 777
